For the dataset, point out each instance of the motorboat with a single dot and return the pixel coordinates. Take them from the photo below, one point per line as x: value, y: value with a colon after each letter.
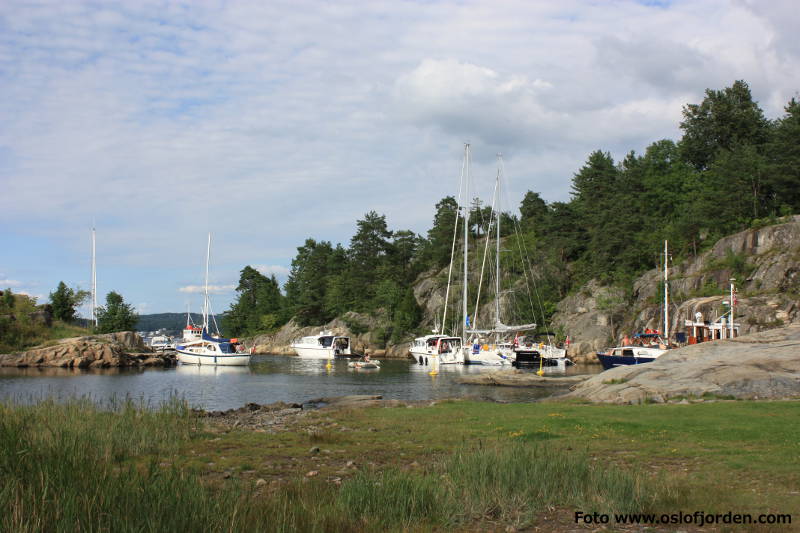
x: 325, y: 345
x: 446, y: 347
x: 644, y: 348
x: 529, y: 352
x: 162, y: 343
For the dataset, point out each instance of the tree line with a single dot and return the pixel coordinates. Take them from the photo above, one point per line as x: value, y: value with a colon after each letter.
x: 733, y: 168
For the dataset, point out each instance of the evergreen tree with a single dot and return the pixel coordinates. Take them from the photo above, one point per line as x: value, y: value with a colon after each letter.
x: 258, y: 306
x: 307, y: 284
x: 440, y: 237
x: 533, y: 210
x: 367, y: 254
x: 783, y: 162
x: 724, y: 120
x: 116, y: 315
x: 65, y: 302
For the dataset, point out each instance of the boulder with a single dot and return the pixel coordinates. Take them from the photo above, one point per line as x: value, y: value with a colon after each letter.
x: 763, y: 365
x: 93, y: 351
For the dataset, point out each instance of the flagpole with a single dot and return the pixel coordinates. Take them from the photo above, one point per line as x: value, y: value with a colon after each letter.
x: 730, y: 327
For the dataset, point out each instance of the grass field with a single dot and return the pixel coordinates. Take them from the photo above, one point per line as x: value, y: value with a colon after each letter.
x: 451, y: 466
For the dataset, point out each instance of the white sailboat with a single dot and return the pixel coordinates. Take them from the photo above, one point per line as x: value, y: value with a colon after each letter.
x: 439, y: 348
x: 211, y: 349
x: 478, y: 350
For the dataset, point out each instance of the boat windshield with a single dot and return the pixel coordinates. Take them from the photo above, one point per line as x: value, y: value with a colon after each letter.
x: 326, y: 341
x: 226, y: 347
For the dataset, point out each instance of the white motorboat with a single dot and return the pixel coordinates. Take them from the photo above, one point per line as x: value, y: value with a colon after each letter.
x: 211, y: 349
x: 446, y: 347
x: 325, y: 345
x: 162, y: 343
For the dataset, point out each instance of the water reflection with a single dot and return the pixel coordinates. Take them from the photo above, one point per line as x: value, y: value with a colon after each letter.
x: 210, y: 370
x: 269, y: 378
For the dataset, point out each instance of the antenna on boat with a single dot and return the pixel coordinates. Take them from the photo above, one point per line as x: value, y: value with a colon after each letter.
x: 666, y: 292
x: 93, y: 282
x: 465, y: 315
x: 205, y: 290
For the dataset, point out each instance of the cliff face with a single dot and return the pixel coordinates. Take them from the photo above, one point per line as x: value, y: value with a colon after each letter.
x: 764, y: 261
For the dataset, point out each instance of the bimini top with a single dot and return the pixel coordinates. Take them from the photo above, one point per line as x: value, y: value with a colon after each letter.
x: 647, y: 335
x: 207, y: 337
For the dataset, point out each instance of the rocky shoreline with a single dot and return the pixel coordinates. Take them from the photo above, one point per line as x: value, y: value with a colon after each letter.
x: 762, y: 366
x: 280, y: 416
x: 123, y: 349
x: 520, y: 378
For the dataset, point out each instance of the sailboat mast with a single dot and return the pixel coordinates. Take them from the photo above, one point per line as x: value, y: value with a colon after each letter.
x: 94, y: 278
x: 497, y: 250
x: 205, y: 291
x: 666, y: 292
x: 466, y: 239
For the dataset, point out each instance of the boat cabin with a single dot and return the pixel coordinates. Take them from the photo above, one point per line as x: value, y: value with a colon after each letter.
x: 698, y: 330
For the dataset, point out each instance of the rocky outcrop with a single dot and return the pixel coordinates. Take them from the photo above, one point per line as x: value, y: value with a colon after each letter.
x: 763, y: 365
x: 520, y: 378
x: 361, y: 328
x: 123, y: 349
x: 764, y: 261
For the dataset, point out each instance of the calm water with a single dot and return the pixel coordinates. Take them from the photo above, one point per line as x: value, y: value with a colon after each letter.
x: 269, y: 378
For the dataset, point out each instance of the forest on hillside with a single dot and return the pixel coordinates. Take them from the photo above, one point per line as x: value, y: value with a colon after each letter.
x: 733, y: 168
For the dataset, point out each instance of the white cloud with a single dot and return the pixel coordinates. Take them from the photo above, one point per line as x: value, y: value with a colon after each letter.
x: 212, y: 289
x: 270, y: 123
x: 279, y: 271
x: 8, y: 283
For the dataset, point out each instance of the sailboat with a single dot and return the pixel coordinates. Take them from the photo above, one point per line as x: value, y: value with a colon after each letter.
x: 643, y: 347
x: 503, y: 351
x: 439, y: 347
x: 211, y: 349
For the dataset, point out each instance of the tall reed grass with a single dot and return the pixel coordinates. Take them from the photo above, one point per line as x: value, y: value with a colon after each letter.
x: 77, y: 466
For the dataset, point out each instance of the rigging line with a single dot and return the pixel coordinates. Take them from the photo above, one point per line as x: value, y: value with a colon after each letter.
x: 480, y: 280
x: 453, y: 246
x: 518, y: 232
x: 494, y: 217
x: 536, y: 289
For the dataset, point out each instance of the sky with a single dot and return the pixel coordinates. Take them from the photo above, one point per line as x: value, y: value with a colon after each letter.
x: 267, y: 123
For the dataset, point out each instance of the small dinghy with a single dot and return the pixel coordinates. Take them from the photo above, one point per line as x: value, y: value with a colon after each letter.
x: 364, y: 363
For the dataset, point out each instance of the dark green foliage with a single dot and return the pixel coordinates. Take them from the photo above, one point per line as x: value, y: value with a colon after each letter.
x: 64, y: 302
x: 259, y: 306
x: 116, y: 315
x: 724, y: 120
x: 440, y: 236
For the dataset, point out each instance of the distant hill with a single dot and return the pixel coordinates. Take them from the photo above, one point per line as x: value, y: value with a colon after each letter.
x: 168, y: 321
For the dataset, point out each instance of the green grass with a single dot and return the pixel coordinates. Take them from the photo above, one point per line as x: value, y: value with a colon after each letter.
x: 453, y: 466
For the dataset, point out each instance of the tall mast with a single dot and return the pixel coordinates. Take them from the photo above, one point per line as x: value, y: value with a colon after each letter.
x: 497, y: 251
x: 466, y: 239
x: 205, y: 291
x: 94, y: 279
x: 666, y: 292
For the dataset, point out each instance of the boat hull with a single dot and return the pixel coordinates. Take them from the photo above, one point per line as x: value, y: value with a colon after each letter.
x: 313, y: 352
x: 611, y: 361
x: 188, y: 358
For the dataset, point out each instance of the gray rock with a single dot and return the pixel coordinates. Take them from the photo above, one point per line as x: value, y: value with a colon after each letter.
x: 764, y: 365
